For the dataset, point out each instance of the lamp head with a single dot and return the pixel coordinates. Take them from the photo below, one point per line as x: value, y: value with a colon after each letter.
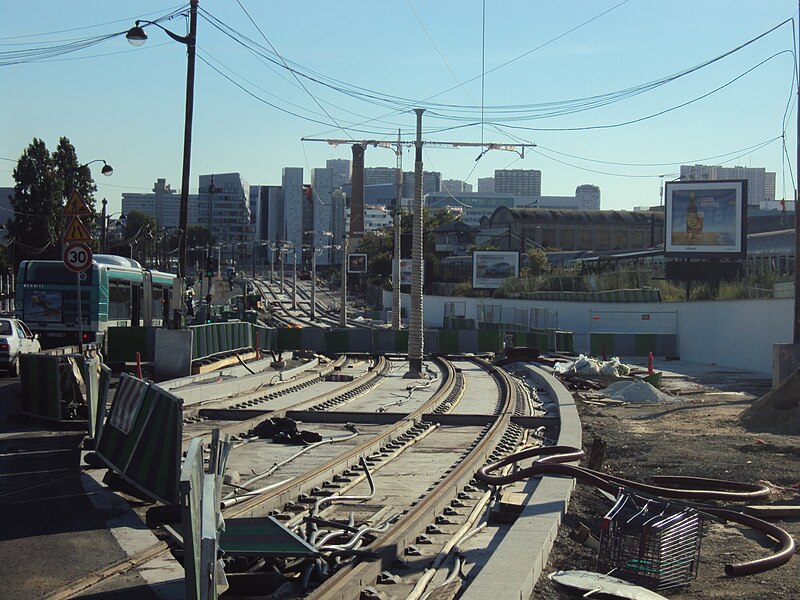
x: 136, y: 35
x: 107, y: 169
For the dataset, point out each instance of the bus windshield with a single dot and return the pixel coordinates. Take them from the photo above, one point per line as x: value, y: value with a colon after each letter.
x: 53, y: 272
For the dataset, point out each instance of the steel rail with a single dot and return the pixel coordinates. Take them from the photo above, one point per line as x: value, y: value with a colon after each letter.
x: 348, y: 582
x: 290, y: 490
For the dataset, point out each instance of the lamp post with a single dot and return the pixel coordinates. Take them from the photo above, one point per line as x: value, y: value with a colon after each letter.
x: 105, y: 220
x: 137, y: 36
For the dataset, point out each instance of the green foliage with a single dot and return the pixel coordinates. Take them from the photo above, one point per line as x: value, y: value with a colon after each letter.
x: 43, y: 183
x: 537, y: 263
x: 138, y: 237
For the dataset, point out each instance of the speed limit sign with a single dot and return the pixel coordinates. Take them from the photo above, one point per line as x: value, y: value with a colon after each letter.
x: 77, y: 257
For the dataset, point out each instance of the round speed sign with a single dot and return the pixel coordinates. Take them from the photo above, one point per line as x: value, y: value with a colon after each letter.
x: 77, y: 257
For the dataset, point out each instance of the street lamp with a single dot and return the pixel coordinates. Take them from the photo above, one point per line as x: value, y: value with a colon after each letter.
x: 105, y: 219
x: 137, y: 36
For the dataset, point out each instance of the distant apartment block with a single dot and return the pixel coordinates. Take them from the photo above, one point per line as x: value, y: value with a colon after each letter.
x: 431, y: 183
x: 486, y: 185
x: 520, y: 182
x: 340, y: 171
x: 225, y: 207
x: 164, y: 204
x: 293, y: 196
x: 376, y: 175
x: 456, y: 186
x: 588, y: 196
x: 760, y: 182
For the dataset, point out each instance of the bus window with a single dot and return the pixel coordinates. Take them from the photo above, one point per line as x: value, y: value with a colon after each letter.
x: 119, y: 301
x: 136, y: 304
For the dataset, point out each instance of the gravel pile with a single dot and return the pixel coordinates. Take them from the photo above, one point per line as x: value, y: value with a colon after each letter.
x: 636, y: 392
x: 777, y: 411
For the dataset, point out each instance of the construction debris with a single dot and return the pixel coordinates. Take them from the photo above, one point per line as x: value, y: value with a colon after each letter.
x: 777, y: 411
x: 638, y: 391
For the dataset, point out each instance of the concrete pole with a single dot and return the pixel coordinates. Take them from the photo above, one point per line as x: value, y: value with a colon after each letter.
x: 398, y: 186
x: 416, y: 342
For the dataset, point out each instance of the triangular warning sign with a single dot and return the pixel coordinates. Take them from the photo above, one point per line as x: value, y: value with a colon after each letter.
x: 76, y: 206
x: 77, y: 232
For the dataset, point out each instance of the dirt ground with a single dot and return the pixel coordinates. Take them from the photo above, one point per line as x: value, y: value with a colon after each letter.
x: 696, y: 436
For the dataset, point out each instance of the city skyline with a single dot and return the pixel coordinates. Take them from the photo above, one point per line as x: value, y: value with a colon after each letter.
x: 131, y: 112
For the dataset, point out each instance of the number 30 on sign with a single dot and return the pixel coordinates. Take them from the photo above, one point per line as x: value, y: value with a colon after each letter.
x: 77, y: 257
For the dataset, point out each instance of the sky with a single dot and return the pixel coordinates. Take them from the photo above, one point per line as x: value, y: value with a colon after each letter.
x: 609, y: 91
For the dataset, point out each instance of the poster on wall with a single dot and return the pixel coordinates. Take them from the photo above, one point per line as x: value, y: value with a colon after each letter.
x: 491, y: 267
x: 705, y: 219
x: 356, y: 263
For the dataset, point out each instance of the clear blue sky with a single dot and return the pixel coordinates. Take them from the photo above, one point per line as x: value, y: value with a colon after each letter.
x: 125, y: 104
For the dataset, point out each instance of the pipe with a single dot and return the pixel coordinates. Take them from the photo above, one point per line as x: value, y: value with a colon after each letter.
x: 547, y: 461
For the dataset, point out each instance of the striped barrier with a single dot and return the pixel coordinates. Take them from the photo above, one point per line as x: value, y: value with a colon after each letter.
x: 141, y: 439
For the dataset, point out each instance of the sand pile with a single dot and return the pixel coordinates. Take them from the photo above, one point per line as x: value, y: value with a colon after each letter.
x: 777, y: 411
x: 636, y: 392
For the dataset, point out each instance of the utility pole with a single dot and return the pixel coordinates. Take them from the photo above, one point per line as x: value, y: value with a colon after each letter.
x: 416, y: 342
x: 415, y: 338
x: 796, y: 337
x: 343, y: 308
x: 398, y: 186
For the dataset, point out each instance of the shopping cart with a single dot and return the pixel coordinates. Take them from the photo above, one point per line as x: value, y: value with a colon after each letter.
x: 651, y: 543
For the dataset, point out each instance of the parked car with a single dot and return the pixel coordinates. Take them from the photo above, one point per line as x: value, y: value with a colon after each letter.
x: 15, y: 339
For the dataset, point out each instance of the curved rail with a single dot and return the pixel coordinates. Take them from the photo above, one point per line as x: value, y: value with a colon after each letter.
x: 351, y: 579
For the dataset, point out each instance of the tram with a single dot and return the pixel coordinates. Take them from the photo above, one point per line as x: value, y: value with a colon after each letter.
x: 115, y: 291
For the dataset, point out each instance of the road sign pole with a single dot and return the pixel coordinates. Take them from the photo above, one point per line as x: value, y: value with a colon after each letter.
x: 80, y: 314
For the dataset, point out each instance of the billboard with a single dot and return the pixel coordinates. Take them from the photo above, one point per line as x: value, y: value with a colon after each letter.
x: 356, y: 263
x: 705, y: 219
x: 406, y: 269
x: 43, y: 306
x: 491, y: 267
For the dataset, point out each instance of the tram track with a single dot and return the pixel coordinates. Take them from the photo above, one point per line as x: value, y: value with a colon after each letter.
x: 446, y: 498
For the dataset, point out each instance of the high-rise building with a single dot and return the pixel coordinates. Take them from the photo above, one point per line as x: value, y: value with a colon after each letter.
x: 455, y: 186
x: 375, y: 175
x: 164, y: 204
x: 760, y: 182
x: 431, y: 183
x: 225, y: 207
x: 340, y: 171
x: 520, y: 182
x: 322, y: 211
x: 486, y: 185
x: 293, y: 204
x: 588, y: 196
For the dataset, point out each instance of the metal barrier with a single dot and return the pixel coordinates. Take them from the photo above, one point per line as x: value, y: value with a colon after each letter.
x: 220, y: 338
x: 141, y: 439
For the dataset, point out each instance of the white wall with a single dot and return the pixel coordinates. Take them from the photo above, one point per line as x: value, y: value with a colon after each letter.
x: 728, y: 333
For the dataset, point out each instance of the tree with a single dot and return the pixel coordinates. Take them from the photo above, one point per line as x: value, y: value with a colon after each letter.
x: 138, y: 238
x: 43, y: 183
x: 36, y: 204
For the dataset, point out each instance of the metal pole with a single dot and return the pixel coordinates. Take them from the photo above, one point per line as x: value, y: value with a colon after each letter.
x: 398, y: 181
x: 415, y: 330
x: 191, y: 41
x: 103, y: 228
x: 313, y: 280
x: 283, y: 267
x: 80, y: 314
x: 271, y: 264
x: 254, y: 259
x: 343, y: 308
x: 294, y: 280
